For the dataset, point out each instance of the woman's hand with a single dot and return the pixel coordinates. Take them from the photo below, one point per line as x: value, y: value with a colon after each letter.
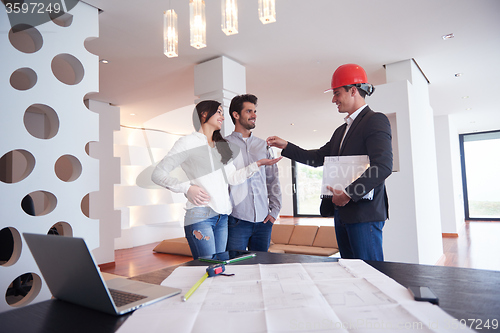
x: 267, y: 161
x: 197, y: 195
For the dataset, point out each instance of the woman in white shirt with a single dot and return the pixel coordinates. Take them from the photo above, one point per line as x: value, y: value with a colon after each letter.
x: 207, y: 160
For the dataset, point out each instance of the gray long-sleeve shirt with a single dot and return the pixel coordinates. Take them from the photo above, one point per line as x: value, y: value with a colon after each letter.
x: 260, y: 195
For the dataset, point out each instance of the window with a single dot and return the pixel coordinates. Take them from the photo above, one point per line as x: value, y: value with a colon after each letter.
x: 307, y: 189
x: 481, y: 183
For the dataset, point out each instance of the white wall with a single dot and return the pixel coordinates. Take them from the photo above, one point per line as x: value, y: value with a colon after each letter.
x: 149, y: 213
x: 101, y: 203
x: 72, y: 126
x: 285, y: 173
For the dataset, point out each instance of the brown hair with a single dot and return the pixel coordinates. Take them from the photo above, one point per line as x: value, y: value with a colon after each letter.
x: 211, y: 107
x: 237, y: 104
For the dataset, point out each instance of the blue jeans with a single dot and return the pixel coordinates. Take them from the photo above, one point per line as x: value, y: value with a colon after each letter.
x: 254, y: 235
x: 359, y: 240
x: 208, y: 234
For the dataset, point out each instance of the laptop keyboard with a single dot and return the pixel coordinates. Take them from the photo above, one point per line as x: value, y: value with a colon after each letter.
x: 123, y: 298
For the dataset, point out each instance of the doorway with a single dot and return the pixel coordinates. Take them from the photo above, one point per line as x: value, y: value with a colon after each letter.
x: 480, y: 158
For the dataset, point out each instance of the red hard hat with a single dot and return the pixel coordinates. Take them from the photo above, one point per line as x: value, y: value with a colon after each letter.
x: 348, y: 74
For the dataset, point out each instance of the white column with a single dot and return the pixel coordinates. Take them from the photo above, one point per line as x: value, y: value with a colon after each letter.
x: 450, y: 175
x: 220, y: 79
x: 413, y: 231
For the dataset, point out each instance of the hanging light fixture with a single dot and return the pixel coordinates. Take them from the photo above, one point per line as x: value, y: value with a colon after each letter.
x: 229, y: 17
x: 267, y: 11
x: 197, y: 24
x: 170, y: 34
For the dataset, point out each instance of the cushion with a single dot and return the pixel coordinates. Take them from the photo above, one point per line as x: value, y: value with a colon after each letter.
x: 273, y: 249
x: 281, y: 233
x: 174, y: 246
x: 325, y: 237
x: 303, y: 235
x: 311, y: 250
x: 278, y: 248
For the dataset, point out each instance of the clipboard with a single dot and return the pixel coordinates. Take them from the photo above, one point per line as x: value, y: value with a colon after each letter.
x: 340, y: 171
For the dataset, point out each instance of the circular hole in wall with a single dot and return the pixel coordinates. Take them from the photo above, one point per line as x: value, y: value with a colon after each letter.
x: 23, y: 289
x: 25, y: 38
x: 87, y: 148
x: 61, y: 229
x: 67, y: 69
x: 41, y: 121
x: 23, y: 79
x: 16, y: 165
x: 61, y: 19
x: 10, y: 246
x: 28, y: 205
x: 85, y: 206
x: 91, y: 150
x: 43, y: 203
x: 86, y: 100
x: 68, y: 168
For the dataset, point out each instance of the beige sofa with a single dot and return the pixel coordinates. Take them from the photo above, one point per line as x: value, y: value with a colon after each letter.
x: 285, y: 238
x: 304, y: 239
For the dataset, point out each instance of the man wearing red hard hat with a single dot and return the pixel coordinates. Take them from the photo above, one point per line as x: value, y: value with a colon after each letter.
x: 360, y: 209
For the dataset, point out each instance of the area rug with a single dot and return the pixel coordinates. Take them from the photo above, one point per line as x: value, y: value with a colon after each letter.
x: 155, y: 277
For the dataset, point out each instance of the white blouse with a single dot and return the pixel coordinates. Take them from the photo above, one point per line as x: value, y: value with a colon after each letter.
x: 202, y: 166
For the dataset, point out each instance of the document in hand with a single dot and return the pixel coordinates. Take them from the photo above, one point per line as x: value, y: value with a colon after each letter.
x: 340, y: 171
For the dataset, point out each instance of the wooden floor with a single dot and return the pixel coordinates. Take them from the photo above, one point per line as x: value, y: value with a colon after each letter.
x: 478, y: 246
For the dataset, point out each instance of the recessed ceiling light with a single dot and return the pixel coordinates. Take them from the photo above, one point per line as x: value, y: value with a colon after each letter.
x: 292, y: 124
x: 458, y: 74
x: 315, y: 130
x: 448, y: 36
x: 464, y: 97
x: 468, y: 109
x: 132, y: 114
x: 104, y: 61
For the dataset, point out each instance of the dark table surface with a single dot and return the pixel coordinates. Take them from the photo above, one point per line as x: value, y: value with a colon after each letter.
x: 468, y: 294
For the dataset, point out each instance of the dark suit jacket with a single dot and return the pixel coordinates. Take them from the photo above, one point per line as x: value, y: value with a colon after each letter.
x: 370, y: 134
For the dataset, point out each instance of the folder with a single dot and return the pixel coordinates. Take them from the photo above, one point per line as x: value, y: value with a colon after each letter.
x: 340, y: 171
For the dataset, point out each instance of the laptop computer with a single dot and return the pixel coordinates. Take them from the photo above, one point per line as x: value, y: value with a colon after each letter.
x: 72, y: 275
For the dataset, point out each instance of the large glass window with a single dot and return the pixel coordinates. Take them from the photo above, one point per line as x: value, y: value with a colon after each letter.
x: 481, y: 178
x: 307, y: 189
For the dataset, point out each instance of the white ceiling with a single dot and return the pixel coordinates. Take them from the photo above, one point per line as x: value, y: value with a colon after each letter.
x: 289, y: 63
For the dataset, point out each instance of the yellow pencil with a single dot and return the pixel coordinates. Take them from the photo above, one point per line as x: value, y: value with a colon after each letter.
x: 193, y: 288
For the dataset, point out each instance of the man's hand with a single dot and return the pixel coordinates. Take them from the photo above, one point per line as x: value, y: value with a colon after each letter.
x: 197, y: 195
x: 339, y: 197
x: 269, y: 218
x: 274, y: 141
